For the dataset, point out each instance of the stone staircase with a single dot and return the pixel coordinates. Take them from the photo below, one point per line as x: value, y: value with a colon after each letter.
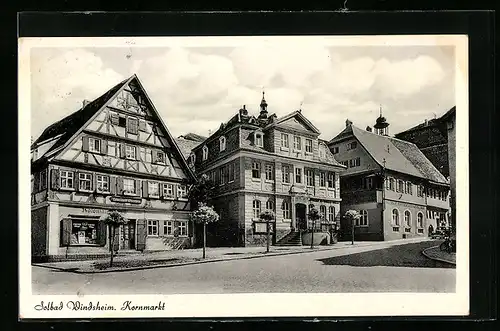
x: 291, y: 239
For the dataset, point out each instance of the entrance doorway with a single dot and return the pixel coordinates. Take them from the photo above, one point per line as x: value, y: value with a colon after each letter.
x: 300, y: 216
x: 128, y: 235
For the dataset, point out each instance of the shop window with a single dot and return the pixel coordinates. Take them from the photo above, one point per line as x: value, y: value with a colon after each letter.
x: 67, y: 179
x: 85, y: 181
x: 84, y: 232
x: 102, y: 183
x: 152, y: 228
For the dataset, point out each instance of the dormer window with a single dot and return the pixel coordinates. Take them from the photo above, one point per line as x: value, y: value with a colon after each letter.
x: 352, y: 145
x: 222, y: 143
x: 205, y: 153
x: 258, y: 139
x: 192, y: 158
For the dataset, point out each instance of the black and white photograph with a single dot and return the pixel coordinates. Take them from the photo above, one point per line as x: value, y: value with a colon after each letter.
x: 243, y: 176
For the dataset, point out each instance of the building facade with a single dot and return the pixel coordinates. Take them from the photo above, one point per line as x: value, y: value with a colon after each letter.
x: 267, y: 163
x: 450, y: 119
x: 396, y: 189
x: 115, y: 153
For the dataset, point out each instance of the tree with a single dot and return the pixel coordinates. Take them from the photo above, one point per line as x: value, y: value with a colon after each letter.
x: 204, y: 214
x: 352, y: 216
x: 313, y: 215
x: 201, y: 192
x: 113, y: 220
x: 267, y: 216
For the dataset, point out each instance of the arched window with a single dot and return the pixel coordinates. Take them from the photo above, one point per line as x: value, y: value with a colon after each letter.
x: 205, y: 153
x: 256, y: 209
x: 258, y: 139
x: 408, y: 218
x: 331, y: 213
x: 395, y: 217
x: 420, y: 220
x: 285, y: 206
x: 363, y: 220
x: 322, y: 210
x: 270, y: 205
x: 222, y: 143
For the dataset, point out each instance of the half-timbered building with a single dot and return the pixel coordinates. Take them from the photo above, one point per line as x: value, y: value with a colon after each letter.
x: 115, y: 153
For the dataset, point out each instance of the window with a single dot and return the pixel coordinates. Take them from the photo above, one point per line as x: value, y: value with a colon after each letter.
x: 168, y: 228
x: 368, y: 183
x: 351, y: 163
x: 322, y: 210
x: 400, y: 186
x: 408, y: 218
x: 357, y: 162
x: 82, y: 232
x: 269, y: 172
x: 258, y: 139
x: 159, y: 157
x: 102, y: 183
x: 94, y: 145
x: 309, y: 177
x: 395, y: 217
x: 256, y: 209
x: 43, y: 179
x: 331, y: 213
x: 128, y: 186
x: 66, y: 179
x: 221, y: 176
x: 298, y: 175
x: 130, y: 152
x: 284, y: 140
x: 420, y: 220
x: 420, y: 191
x: 309, y: 146
x: 152, y: 228
x: 363, y: 220
x: 255, y: 170
x: 285, y: 206
x: 231, y: 172
x: 205, y: 153
x: 222, y: 144
x: 132, y: 125
x: 331, y: 180
x: 270, y: 205
x: 122, y: 121
x: 335, y: 150
x: 297, y: 143
x: 409, y: 188
x: 168, y: 190
x: 286, y: 174
x: 85, y: 181
x: 322, y: 179
x: 192, y: 158
x: 352, y: 145
x: 183, y: 228
x: 153, y: 189
x: 181, y: 192
x: 391, y: 184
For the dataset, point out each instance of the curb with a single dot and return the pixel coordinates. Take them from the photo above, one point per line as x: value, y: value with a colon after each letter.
x: 424, y: 253
x: 261, y: 255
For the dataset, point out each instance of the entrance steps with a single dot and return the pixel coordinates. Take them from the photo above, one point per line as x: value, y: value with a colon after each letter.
x: 293, y: 238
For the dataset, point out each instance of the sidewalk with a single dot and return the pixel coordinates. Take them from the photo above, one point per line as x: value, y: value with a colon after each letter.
x: 176, y: 258
x: 435, y: 253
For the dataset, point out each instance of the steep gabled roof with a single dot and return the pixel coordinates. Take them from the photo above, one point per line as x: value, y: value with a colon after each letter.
x: 298, y: 114
x: 186, y: 145
x: 193, y: 137
x: 70, y: 124
x: 399, y: 155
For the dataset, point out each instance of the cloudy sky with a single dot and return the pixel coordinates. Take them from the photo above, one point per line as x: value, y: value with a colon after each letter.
x: 197, y: 88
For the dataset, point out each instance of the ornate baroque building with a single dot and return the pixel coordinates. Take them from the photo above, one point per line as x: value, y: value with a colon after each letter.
x: 115, y: 153
x: 267, y: 162
x: 396, y: 189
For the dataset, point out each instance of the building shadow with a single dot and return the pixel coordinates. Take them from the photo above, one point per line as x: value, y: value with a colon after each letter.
x: 408, y: 256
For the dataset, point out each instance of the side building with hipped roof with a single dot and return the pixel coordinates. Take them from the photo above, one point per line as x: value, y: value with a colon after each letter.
x: 396, y: 189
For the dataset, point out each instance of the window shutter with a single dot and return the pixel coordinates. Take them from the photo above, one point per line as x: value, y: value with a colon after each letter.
x: 141, y: 234
x: 145, y: 192
x: 76, y: 180
x: 65, y: 231
x: 112, y: 184
x: 135, y: 126
x: 102, y: 233
x: 137, y: 187
x: 142, y: 125
x: 136, y: 153
x: 85, y: 146
x: 114, y: 118
x: 119, y: 185
x: 122, y: 151
x: 54, y: 179
x: 160, y: 189
x: 104, y: 147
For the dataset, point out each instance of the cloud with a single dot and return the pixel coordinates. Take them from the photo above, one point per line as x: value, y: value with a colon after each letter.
x: 62, y: 79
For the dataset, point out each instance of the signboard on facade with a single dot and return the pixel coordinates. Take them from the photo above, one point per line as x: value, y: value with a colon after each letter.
x: 126, y: 200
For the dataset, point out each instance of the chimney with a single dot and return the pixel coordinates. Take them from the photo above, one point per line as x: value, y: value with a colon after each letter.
x: 425, y: 122
x: 347, y: 123
x: 369, y: 129
x: 85, y: 103
x: 244, y: 111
